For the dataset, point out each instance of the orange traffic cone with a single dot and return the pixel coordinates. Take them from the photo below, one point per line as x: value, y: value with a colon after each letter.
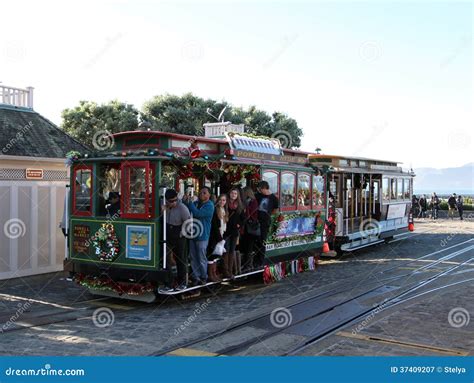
x: 325, y: 247
x: 411, y: 225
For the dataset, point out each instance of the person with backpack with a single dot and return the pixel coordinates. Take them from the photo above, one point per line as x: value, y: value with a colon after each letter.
x: 452, y: 205
x: 434, y: 206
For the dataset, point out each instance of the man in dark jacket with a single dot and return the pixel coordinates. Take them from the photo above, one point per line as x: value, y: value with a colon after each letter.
x: 423, y: 206
x: 268, y: 205
x: 452, y: 206
x: 460, y: 206
x: 434, y: 206
x: 113, y: 207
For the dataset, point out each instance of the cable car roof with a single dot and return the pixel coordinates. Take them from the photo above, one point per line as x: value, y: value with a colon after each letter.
x: 313, y: 156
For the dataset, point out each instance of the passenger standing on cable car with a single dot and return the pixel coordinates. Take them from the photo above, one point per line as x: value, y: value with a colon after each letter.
x: 215, y: 247
x: 113, y: 207
x: 176, y: 215
x: 235, y: 208
x: 267, y: 205
x: 251, y: 230
x: 202, y: 211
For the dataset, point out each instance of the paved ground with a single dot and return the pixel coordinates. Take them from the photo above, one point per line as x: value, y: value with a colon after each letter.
x: 47, y: 315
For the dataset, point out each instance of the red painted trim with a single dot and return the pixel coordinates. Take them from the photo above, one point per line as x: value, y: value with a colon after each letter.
x: 292, y: 207
x: 74, y: 211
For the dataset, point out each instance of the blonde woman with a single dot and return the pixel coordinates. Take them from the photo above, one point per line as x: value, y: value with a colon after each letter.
x: 235, y: 208
x: 218, y: 229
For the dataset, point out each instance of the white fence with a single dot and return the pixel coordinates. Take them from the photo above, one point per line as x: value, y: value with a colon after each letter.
x: 30, y: 239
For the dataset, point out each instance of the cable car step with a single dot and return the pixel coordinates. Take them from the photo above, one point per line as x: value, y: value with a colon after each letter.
x: 176, y: 292
x: 357, y: 247
x: 148, y: 297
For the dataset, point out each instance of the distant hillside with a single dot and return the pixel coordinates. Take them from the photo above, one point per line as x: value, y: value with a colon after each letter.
x: 450, y: 180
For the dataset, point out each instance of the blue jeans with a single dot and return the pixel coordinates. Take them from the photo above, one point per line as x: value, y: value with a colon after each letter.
x: 198, y: 251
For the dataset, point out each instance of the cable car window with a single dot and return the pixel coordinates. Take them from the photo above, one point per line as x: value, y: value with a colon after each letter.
x: 376, y: 190
x: 137, y: 189
x: 188, y: 185
x: 393, y: 189
x: 400, y: 188
x: 406, y: 188
x: 318, y: 190
x: 304, y: 190
x: 109, y: 189
x: 288, y: 192
x: 385, y: 189
x: 168, y: 176
x: 82, y: 194
x: 272, y: 178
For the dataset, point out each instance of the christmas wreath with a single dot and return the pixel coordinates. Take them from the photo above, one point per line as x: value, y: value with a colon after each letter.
x: 105, y: 243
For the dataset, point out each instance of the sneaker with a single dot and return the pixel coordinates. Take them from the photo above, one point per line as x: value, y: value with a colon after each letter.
x: 164, y: 290
x: 181, y: 287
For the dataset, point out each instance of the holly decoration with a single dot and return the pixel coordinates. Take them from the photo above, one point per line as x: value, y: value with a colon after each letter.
x: 108, y: 284
x: 105, y: 243
x: 330, y: 225
x: 235, y: 173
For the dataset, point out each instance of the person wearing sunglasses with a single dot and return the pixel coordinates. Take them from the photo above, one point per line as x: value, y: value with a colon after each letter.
x: 176, y: 215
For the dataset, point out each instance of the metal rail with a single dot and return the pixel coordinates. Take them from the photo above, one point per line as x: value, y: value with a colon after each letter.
x: 347, y: 287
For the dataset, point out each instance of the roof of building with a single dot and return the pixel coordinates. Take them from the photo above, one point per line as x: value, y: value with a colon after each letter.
x: 24, y: 132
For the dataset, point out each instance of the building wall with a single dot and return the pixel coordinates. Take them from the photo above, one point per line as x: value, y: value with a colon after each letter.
x: 31, y: 241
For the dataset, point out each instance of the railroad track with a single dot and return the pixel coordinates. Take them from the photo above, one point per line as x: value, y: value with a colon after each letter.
x: 54, y: 313
x: 324, y: 304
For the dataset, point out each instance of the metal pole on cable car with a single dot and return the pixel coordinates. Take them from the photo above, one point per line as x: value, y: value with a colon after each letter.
x: 164, y: 229
x: 66, y: 223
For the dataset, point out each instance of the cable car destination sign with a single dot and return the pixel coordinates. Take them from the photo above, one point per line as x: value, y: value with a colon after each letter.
x: 257, y: 148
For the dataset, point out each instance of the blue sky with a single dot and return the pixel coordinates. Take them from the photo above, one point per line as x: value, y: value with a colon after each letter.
x: 376, y: 79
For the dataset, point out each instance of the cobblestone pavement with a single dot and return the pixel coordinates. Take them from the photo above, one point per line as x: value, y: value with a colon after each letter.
x: 47, y: 315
